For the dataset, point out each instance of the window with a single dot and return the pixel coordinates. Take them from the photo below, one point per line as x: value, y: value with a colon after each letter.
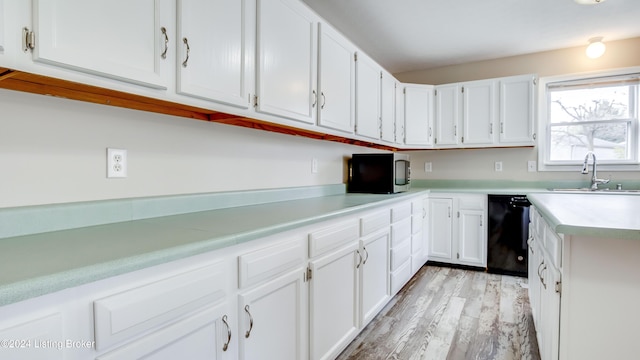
x: 596, y: 113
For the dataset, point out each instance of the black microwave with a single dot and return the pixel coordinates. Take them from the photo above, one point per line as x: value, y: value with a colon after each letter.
x: 379, y: 173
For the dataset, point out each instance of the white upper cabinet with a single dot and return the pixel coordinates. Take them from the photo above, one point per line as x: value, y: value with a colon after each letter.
x: 387, y: 107
x: 479, y: 103
x: 336, y: 81
x: 286, y: 60
x: 418, y: 115
x: 212, y: 50
x: 447, y: 114
x: 2, y: 20
x: 122, y: 39
x: 367, y: 97
x: 517, y: 96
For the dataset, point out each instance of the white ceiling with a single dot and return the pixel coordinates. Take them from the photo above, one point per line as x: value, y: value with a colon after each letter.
x: 405, y: 35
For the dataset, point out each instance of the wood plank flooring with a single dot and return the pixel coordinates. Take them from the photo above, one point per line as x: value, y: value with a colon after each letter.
x: 446, y: 313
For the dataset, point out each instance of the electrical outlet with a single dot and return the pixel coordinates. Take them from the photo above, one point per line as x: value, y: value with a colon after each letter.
x: 498, y: 165
x: 531, y: 166
x: 116, y: 163
x: 427, y: 167
x: 314, y: 166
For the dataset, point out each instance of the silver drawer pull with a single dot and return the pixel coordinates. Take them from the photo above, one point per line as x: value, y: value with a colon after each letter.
x: 248, y: 333
x: 225, y: 346
x: 166, y: 42
x: 186, y: 42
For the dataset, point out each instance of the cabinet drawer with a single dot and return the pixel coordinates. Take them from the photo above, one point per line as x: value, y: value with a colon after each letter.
x: 400, y: 254
x: 400, y: 212
x: 400, y: 277
x: 332, y: 237
x: 416, y: 224
x: 472, y: 202
x: 264, y: 264
x: 374, y: 222
x: 123, y: 316
x: 417, y: 243
x: 400, y: 231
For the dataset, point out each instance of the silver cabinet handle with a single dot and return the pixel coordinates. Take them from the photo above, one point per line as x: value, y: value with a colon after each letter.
x: 166, y: 42
x: 455, y: 130
x: 359, y: 259
x: 315, y: 98
x: 544, y: 267
x: 186, y: 42
x: 491, y: 129
x: 449, y: 211
x: 424, y: 213
x: 366, y: 253
x: 501, y: 127
x: 248, y: 333
x: 225, y: 346
x: 324, y: 100
x: 430, y: 131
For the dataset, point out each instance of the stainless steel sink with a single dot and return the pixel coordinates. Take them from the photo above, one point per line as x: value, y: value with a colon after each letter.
x: 587, y: 190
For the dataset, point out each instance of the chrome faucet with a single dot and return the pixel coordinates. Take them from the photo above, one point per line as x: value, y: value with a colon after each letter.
x: 594, y: 176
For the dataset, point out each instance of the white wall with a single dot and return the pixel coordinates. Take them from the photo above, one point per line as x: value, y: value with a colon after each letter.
x: 53, y: 150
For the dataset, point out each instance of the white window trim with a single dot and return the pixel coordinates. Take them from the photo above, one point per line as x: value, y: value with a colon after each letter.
x: 543, y: 121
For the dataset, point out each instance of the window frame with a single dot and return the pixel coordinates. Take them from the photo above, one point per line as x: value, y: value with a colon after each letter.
x: 544, y: 162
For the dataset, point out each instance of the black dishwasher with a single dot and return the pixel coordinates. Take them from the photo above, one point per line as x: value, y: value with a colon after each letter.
x: 508, y: 234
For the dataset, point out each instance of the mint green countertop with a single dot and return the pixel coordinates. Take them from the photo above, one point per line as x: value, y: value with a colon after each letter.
x: 45, y: 262
x: 592, y: 214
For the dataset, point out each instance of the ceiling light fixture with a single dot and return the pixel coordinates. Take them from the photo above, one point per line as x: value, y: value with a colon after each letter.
x: 596, y: 48
x: 589, y: 2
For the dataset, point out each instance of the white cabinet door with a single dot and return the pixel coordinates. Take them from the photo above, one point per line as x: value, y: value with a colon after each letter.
x: 374, y: 275
x: 120, y: 39
x: 440, y: 229
x: 472, y: 241
x: 549, y: 339
x: 471, y: 229
x: 273, y: 321
x: 367, y: 97
x: 286, y: 60
x: 447, y: 106
x: 387, y: 107
x: 426, y: 227
x: 517, y: 110
x: 418, y: 115
x: 479, y: 104
x: 212, y: 48
x: 336, y: 83
x: 2, y: 19
x: 333, y: 302
x: 205, y: 335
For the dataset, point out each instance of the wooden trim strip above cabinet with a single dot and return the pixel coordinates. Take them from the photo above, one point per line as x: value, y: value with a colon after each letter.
x: 44, y: 85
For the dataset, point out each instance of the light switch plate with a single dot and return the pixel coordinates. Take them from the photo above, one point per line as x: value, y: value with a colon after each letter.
x: 498, y: 165
x: 531, y: 166
x: 427, y: 167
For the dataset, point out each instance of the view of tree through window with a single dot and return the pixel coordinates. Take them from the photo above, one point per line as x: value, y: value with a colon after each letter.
x: 593, y: 116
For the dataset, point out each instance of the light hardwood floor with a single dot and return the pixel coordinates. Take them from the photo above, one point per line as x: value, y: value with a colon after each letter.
x: 446, y: 313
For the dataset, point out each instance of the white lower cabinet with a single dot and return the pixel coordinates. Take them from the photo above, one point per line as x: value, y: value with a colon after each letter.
x: 273, y: 319
x: 272, y: 303
x: 303, y: 294
x: 457, y: 229
x: 203, y: 335
x: 189, y: 314
x: 333, y: 303
x: 400, y: 246
x: 374, y: 276
x: 545, y: 285
x: 34, y: 338
x: 419, y: 233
